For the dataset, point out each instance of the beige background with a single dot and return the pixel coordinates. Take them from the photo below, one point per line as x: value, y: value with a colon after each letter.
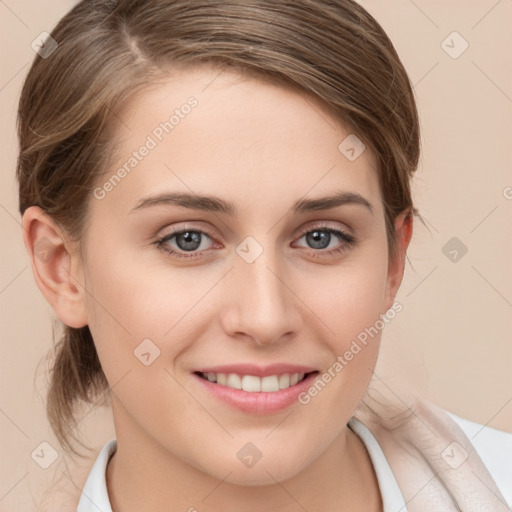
x: 452, y: 341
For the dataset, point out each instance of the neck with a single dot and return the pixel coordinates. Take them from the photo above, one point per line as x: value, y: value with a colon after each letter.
x: 144, y: 475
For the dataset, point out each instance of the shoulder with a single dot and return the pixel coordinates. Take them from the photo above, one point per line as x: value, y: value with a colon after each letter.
x: 494, y: 448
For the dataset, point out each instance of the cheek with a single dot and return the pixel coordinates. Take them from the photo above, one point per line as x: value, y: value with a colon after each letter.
x: 351, y: 304
x: 347, y: 298
x: 348, y: 302
x: 132, y: 315
x: 130, y: 302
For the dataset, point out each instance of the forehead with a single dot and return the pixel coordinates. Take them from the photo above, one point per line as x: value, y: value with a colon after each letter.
x: 206, y: 131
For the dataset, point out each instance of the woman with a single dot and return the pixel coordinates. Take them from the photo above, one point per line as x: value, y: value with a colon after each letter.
x: 216, y: 200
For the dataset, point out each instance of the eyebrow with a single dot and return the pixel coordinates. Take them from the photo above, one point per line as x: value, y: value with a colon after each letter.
x: 215, y: 204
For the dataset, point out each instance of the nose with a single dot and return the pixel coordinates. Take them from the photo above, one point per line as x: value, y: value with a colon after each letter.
x: 261, y: 304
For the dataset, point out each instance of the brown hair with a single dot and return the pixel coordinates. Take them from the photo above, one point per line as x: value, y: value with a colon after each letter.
x: 333, y: 50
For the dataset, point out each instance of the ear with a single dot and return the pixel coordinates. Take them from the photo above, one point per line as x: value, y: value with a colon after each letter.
x: 403, y: 230
x: 56, y: 265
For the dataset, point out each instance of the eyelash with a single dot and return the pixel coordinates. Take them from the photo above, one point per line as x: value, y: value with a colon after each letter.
x: 349, y: 241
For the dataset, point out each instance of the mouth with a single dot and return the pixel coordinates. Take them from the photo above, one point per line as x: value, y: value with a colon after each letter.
x: 263, y: 394
x: 254, y: 383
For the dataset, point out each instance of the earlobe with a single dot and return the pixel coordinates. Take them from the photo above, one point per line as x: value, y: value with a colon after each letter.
x: 56, y: 266
x: 403, y: 231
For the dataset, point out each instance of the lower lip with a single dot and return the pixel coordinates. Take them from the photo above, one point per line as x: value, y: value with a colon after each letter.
x: 262, y: 402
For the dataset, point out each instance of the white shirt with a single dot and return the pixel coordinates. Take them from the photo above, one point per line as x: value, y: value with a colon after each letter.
x: 493, y: 446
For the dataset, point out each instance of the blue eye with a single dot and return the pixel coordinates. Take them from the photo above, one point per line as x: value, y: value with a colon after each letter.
x: 321, y: 236
x: 187, y: 240
x: 191, y: 241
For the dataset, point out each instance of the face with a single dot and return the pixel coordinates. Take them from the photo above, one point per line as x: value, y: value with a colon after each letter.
x: 255, y: 280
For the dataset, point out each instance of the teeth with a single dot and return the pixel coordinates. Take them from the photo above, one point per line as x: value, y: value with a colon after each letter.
x: 254, y: 384
x: 251, y: 383
x: 284, y: 381
x: 234, y: 381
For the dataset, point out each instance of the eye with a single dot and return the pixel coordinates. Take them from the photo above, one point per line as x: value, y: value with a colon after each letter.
x: 186, y: 241
x: 320, y: 238
x: 191, y: 243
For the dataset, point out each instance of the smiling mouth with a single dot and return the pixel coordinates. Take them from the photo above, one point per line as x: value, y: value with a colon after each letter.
x: 253, y: 383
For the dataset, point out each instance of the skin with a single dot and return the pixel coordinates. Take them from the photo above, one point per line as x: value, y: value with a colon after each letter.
x: 262, y: 147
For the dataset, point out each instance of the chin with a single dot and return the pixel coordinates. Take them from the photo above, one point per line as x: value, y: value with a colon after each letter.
x: 259, y: 479
x: 262, y: 473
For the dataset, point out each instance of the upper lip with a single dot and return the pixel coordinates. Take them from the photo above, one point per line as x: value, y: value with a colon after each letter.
x: 258, y: 371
